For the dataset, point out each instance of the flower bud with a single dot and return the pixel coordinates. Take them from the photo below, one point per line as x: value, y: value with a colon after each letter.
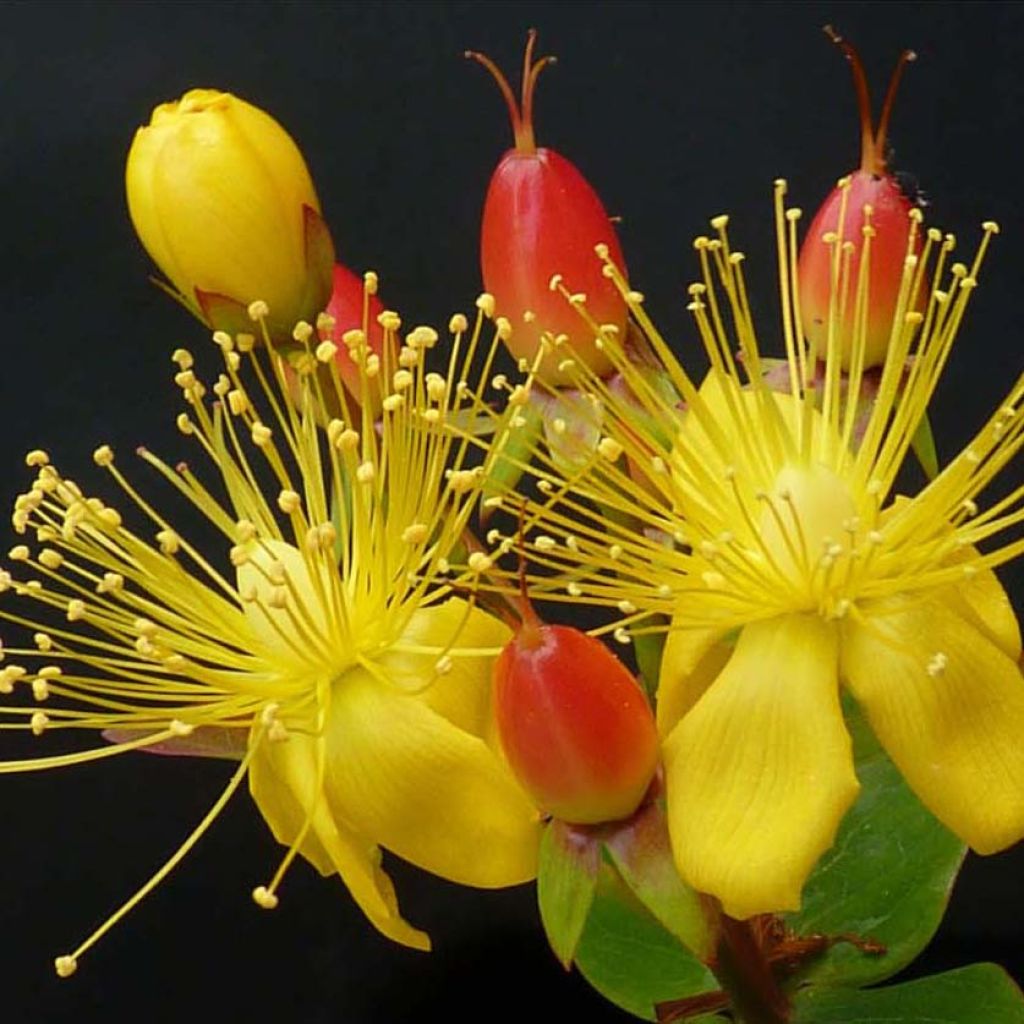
x: 222, y: 200
x: 575, y: 726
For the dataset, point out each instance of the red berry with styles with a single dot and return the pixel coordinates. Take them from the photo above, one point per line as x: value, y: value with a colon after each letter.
x: 541, y: 218
x: 829, y: 267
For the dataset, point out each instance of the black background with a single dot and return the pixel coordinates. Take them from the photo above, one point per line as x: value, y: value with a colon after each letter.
x: 675, y: 113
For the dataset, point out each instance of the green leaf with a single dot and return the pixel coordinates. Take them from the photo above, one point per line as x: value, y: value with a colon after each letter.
x: 979, y: 994
x: 923, y: 443
x: 887, y: 878
x: 630, y: 958
x: 513, y: 455
x: 640, y: 850
x: 566, y: 879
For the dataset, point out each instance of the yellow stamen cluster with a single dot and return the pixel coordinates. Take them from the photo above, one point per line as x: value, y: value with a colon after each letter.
x: 747, y: 497
x: 335, y: 530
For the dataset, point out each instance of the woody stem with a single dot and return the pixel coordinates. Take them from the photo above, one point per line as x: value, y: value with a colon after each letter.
x: 743, y: 969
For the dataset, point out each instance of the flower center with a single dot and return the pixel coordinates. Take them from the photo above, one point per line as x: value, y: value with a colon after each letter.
x: 806, y: 527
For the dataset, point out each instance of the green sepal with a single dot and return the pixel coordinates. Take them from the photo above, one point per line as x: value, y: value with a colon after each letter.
x: 630, y: 958
x: 649, y: 648
x: 223, y: 313
x: 923, y: 443
x: 566, y: 879
x: 640, y: 850
x: 886, y: 879
x: 979, y: 994
x: 512, y: 455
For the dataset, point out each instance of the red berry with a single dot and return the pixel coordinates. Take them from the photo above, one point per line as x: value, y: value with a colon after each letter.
x: 541, y: 218
x: 872, y: 195
x: 576, y: 728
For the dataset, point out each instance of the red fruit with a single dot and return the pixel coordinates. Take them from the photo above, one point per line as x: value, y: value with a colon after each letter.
x: 576, y: 728
x: 541, y: 218
x: 874, y: 196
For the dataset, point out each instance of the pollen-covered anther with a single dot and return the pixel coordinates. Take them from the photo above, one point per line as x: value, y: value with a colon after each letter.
x: 302, y: 332
x: 622, y: 635
x: 183, y: 358
x: 635, y: 298
x: 713, y: 580
x: 184, y: 423
x: 415, y: 533
x: 75, y: 610
x: 614, y: 552
x: 389, y: 320
x: 573, y: 589
x: 354, y: 339
x: 366, y: 472
x: 347, y: 440
x: 437, y: 387
x: 519, y: 396
x: 289, y: 502
x: 370, y: 282
x: 238, y: 402
x: 578, y: 299
x: 223, y: 385
x: 103, y: 456
x: 65, y: 966
x: 545, y: 486
x: 444, y: 665
x: 937, y: 664
x: 169, y: 542
x: 499, y: 382
x: 36, y: 458
x: 264, y: 898
x: 43, y: 641
x: 458, y: 324
x: 223, y: 341
x: 609, y: 448
x: 326, y: 351
x: 258, y: 310
x: 479, y: 562
x: 325, y: 323
x: 969, y: 506
x: 111, y: 583
x: 393, y: 403
x: 245, y: 341
x: 261, y: 434
x: 179, y: 728
x: 145, y: 627
x: 421, y: 337
x: 462, y: 480
x: 38, y: 722
x: 626, y: 607
x: 545, y: 543
x: 50, y: 558
x: 503, y: 328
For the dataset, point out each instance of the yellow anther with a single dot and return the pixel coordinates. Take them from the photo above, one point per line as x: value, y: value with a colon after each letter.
x: 238, y: 402
x: 609, y: 448
x: 393, y: 403
x: 169, y: 541
x: 573, y: 589
x: 545, y: 543
x: 458, y: 324
x: 326, y: 351
x: 302, y: 332
x: 264, y: 898
x: 43, y: 642
x: 223, y: 341
x: 50, y: 558
x: 65, y: 966
x: 38, y: 722
x: 444, y: 665
x: 622, y: 635
x: 479, y: 562
x: 180, y: 728
x: 258, y: 310
x: 370, y: 282
x: 485, y: 303
x: 437, y: 387
x: 19, y: 553
x: 40, y: 689
x: 347, y: 440
x: 183, y: 358
x: 289, y: 502
x: 366, y: 472
x: 520, y: 395
x: 104, y: 455
x: 415, y: 533
x: 503, y: 328
x: 389, y: 320
x: 261, y: 434
x: 615, y: 552
x: 627, y: 607
x: 184, y: 423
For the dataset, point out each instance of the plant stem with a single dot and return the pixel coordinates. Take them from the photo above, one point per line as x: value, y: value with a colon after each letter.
x: 744, y: 971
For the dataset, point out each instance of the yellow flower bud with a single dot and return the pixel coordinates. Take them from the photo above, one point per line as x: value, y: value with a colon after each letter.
x: 223, y: 202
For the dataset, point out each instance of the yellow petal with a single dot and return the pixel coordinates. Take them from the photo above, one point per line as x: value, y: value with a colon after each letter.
x: 282, y: 780
x: 462, y: 692
x: 424, y: 788
x: 760, y: 772
x: 981, y: 600
x: 690, y: 663
x: 948, y: 706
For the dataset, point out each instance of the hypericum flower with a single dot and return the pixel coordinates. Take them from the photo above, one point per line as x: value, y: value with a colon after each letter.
x: 222, y: 200
x: 764, y: 527
x: 327, y: 635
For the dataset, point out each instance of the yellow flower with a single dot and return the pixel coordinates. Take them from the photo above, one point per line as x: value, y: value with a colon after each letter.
x: 222, y: 200
x: 327, y: 634
x: 763, y: 527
